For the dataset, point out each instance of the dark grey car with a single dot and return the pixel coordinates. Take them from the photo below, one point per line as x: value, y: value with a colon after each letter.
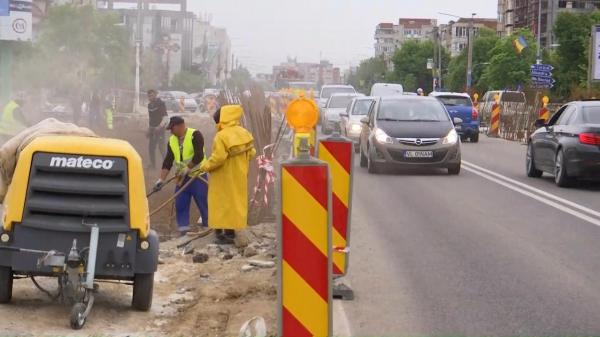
x: 568, y: 146
x: 409, y: 131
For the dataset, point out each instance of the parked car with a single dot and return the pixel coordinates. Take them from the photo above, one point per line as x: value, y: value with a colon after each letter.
x: 172, y: 99
x: 460, y: 105
x: 568, y: 145
x: 328, y: 90
x: 350, y: 120
x: 408, y: 131
x: 336, y: 105
x: 387, y: 89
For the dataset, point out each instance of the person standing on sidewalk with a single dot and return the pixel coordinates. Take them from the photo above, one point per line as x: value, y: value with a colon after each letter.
x: 186, y: 152
x: 157, y: 113
x: 232, y: 151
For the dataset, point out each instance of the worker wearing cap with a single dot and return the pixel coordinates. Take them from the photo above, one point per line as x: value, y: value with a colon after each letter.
x: 186, y: 152
x: 232, y: 151
x: 12, y: 120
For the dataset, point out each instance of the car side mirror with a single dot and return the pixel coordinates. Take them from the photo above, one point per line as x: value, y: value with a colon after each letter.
x: 457, y: 121
x: 344, y: 114
x: 540, y: 123
x: 364, y: 120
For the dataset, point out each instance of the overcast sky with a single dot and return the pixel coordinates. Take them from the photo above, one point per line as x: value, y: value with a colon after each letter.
x: 266, y: 32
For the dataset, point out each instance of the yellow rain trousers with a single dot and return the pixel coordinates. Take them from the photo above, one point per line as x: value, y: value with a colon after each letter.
x: 232, y: 151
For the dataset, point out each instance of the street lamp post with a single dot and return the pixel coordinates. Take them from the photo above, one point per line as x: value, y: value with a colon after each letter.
x: 138, y: 47
x: 539, y: 33
x: 470, y: 55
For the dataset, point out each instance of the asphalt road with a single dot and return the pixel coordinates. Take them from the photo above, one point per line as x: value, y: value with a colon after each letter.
x: 488, y: 252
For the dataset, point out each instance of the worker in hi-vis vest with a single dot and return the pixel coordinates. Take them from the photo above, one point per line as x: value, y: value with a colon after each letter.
x: 12, y: 120
x: 186, y: 151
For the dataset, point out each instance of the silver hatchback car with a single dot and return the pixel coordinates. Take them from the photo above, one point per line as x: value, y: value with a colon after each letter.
x: 409, y: 131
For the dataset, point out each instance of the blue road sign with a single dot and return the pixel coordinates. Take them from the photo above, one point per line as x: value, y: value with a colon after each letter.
x: 542, y: 86
x: 538, y: 73
x: 542, y: 67
x: 542, y: 80
x: 4, y: 8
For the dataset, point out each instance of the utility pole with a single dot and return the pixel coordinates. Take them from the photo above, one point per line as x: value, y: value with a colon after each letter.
x: 539, y: 34
x: 138, y: 46
x: 440, y: 46
x: 470, y: 55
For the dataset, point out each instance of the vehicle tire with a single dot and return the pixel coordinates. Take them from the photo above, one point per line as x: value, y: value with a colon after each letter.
x: 6, y: 284
x: 77, y: 318
x: 454, y: 169
x: 475, y: 138
x: 532, y: 171
x: 143, y: 285
x: 371, y: 166
x: 363, y: 159
x: 561, y: 176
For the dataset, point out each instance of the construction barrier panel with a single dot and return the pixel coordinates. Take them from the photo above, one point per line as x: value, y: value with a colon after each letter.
x: 305, y: 249
x: 494, y: 130
x: 338, y: 152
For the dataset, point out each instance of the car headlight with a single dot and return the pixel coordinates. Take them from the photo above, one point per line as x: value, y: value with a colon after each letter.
x: 451, y: 137
x: 356, y: 128
x: 382, y: 137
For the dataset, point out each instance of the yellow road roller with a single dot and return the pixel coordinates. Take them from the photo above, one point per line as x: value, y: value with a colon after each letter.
x: 77, y: 210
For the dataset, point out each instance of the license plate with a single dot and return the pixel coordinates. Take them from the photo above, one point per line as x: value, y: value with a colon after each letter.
x: 418, y: 154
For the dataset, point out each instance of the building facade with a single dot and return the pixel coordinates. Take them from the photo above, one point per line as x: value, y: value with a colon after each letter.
x: 516, y: 14
x: 320, y: 73
x: 389, y: 36
x: 211, y: 51
x: 455, y: 34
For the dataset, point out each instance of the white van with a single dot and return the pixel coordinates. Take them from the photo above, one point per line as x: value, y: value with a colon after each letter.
x: 387, y: 89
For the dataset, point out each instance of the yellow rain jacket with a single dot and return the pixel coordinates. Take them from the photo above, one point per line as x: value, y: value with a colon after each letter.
x: 232, y: 151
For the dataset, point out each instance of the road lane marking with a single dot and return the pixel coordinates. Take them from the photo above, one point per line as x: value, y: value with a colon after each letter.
x: 556, y: 205
x: 536, y: 190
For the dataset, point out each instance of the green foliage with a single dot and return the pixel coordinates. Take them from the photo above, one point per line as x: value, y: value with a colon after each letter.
x: 571, y: 59
x: 240, y: 79
x: 410, y: 65
x: 456, y: 79
x: 188, y: 82
x: 369, y: 72
x: 78, y: 48
x: 507, y: 69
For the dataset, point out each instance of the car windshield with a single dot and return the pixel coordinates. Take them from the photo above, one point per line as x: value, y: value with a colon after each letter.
x: 361, y: 108
x: 455, y: 100
x: 414, y: 110
x: 339, y: 102
x: 327, y: 92
x: 591, y: 114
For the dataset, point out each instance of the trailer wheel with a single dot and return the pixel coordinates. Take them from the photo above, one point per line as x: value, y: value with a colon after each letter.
x: 78, y: 318
x: 6, y: 284
x: 143, y: 285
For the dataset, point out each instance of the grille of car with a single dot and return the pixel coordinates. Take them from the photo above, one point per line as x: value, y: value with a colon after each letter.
x: 398, y: 155
x: 66, y: 190
x: 418, y: 141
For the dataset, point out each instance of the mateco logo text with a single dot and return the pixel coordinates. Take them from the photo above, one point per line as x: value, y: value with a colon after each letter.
x: 81, y: 162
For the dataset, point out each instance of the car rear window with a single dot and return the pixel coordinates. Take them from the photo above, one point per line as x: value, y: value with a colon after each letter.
x: 455, y: 100
x: 591, y: 114
x: 417, y: 110
x: 338, y: 102
x: 361, y: 108
x: 327, y: 92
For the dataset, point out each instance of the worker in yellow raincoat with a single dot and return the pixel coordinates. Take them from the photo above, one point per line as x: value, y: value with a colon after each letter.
x: 232, y: 151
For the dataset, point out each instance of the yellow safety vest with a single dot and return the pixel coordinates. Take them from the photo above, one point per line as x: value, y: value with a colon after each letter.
x: 8, y: 124
x: 109, y: 118
x: 185, y: 150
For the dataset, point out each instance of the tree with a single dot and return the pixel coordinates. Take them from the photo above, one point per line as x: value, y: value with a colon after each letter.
x: 509, y: 69
x: 571, y: 59
x: 369, y: 72
x: 410, y: 65
x: 482, y: 52
x: 188, y: 82
x: 240, y: 79
x: 78, y: 48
